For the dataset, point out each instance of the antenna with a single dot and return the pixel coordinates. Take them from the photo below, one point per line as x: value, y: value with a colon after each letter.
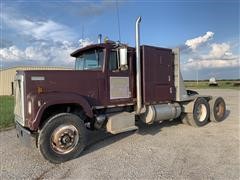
x: 119, y: 31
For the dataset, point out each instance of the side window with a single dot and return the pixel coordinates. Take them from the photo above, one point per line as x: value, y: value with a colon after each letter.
x: 94, y: 60
x: 114, y: 62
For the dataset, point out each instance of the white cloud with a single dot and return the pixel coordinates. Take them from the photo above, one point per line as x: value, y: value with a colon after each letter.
x: 12, y: 53
x: 206, y: 64
x: 194, y: 43
x: 43, y: 53
x: 219, y: 50
x: 219, y: 56
x: 39, y: 30
x: 52, y: 42
x: 85, y: 42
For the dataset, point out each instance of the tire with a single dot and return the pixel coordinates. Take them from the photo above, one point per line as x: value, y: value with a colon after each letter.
x: 217, y: 109
x: 62, y: 138
x: 201, y: 113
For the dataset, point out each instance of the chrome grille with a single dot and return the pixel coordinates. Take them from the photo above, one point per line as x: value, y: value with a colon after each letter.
x: 19, y: 100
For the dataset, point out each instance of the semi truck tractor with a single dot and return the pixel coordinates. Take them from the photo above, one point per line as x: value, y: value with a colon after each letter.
x: 112, y: 86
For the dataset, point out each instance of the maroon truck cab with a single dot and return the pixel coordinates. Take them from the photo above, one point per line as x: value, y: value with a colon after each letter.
x: 103, y: 86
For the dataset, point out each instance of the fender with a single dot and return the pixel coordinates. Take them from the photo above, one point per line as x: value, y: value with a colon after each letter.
x: 188, y: 106
x: 54, y: 98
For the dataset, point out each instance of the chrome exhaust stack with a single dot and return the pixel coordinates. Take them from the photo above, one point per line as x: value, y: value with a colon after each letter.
x: 138, y: 68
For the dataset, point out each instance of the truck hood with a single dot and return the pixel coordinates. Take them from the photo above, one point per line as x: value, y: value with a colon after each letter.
x: 84, y: 83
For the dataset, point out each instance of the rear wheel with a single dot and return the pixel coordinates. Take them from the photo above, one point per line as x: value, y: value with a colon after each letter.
x: 201, y: 113
x: 218, y: 109
x: 62, y: 138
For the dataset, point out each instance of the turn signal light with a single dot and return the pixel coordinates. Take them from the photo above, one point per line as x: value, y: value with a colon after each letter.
x: 39, y: 90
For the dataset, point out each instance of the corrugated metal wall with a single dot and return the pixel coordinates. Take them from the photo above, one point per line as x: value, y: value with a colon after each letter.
x: 7, y: 76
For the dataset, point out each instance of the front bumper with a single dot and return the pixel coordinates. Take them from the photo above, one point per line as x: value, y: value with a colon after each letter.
x: 26, y: 136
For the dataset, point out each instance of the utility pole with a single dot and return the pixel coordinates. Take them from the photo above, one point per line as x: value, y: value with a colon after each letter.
x: 197, y: 75
x: 197, y: 71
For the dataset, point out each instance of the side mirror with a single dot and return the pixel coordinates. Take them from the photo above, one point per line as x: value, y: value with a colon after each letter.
x: 123, y: 56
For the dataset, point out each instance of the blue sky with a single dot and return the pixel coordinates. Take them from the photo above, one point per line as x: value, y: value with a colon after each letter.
x: 46, y: 32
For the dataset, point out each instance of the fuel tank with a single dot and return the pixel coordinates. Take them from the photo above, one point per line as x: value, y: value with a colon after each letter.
x: 161, y: 112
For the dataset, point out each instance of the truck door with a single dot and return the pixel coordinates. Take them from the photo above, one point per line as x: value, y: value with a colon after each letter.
x: 119, y: 80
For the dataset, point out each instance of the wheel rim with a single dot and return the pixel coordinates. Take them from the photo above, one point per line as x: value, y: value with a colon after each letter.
x: 64, y: 139
x: 220, y: 109
x: 201, y: 112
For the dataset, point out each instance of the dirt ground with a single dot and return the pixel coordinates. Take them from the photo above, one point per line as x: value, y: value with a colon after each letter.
x: 169, y: 150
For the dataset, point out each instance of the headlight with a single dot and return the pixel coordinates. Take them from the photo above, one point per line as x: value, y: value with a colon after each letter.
x: 29, y: 107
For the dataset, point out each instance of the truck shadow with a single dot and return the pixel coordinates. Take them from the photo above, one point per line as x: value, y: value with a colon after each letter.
x: 152, y: 129
x: 99, y: 139
x: 226, y: 114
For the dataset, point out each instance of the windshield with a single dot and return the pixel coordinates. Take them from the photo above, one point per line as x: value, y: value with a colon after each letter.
x: 91, y: 60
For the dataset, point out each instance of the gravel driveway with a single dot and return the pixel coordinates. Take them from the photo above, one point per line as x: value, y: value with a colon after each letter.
x: 169, y: 150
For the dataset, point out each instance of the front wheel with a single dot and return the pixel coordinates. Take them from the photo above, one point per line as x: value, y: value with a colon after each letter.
x: 62, y: 138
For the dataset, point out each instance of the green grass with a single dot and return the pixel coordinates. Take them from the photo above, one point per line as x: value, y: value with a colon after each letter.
x: 204, y: 84
x: 6, y: 111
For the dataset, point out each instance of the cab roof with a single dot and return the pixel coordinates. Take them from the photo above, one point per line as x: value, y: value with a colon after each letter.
x: 89, y: 47
x: 95, y: 46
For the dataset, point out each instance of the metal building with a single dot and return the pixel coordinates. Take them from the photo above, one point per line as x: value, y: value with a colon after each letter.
x: 7, y: 77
